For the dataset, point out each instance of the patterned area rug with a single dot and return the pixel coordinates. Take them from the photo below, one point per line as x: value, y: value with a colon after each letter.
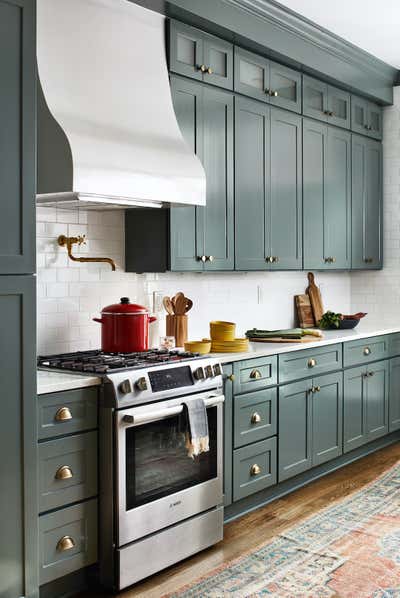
x: 349, y: 550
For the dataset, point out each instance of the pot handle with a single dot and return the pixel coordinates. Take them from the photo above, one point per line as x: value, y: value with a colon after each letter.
x: 99, y: 320
x: 152, y: 319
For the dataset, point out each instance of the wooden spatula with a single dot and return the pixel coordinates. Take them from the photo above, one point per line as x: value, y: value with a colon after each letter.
x: 315, y: 298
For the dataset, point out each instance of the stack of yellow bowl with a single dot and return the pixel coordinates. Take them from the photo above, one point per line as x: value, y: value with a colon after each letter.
x: 223, y: 338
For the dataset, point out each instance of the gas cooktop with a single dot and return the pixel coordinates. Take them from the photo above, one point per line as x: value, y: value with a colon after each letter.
x: 98, y: 362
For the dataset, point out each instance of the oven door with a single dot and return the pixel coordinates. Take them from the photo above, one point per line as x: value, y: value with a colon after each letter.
x: 158, y: 483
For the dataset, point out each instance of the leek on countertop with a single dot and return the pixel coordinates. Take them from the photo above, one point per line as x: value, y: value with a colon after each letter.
x: 295, y: 333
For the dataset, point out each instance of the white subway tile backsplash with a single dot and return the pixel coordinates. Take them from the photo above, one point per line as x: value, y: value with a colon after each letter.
x: 57, y: 289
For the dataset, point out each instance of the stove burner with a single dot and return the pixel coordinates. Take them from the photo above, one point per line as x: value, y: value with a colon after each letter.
x: 97, y: 362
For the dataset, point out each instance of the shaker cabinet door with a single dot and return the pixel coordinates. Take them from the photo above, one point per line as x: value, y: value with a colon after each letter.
x: 339, y: 107
x: 218, y: 59
x: 327, y: 412
x: 359, y: 115
x: 354, y: 415
x: 285, y: 87
x: 375, y: 124
x: 315, y: 98
x: 394, y: 394
x: 185, y: 50
x: 377, y: 400
x: 251, y: 75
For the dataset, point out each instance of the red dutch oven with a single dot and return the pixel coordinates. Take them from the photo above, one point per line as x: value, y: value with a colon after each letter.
x: 125, y: 327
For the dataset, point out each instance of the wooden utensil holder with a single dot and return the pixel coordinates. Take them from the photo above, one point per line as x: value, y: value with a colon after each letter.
x: 177, y: 326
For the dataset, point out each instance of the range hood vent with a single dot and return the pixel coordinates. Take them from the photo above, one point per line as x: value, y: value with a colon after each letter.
x: 107, y: 131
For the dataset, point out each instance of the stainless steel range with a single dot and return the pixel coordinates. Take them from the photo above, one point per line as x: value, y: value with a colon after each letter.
x: 157, y: 505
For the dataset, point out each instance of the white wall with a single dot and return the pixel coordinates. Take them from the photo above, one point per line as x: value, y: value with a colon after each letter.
x: 70, y: 294
x: 378, y: 293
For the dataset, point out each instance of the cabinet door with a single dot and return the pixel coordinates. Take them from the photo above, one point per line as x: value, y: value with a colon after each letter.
x: 327, y: 408
x: 377, y: 399
x: 228, y: 432
x: 366, y: 203
x: 285, y: 87
x: 17, y: 136
x: 315, y: 98
x: 252, y: 187
x: 338, y: 107
x: 354, y: 411
x: 187, y: 236
x: 217, y: 159
x: 295, y: 428
x: 218, y: 59
x: 359, y: 115
x: 18, y: 468
x: 286, y: 191
x: 185, y: 50
x: 394, y: 394
x: 375, y: 124
x: 251, y: 74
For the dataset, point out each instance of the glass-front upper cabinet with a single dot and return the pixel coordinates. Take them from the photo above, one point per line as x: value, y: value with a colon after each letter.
x: 325, y: 102
x: 366, y: 117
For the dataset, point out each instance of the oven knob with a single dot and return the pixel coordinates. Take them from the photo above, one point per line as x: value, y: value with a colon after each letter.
x: 209, y: 371
x: 199, y: 374
x: 141, y: 383
x: 217, y: 370
x: 125, y: 387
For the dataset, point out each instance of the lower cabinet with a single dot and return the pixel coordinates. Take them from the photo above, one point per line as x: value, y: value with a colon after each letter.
x: 254, y: 468
x: 394, y: 394
x: 310, y: 423
x: 366, y: 398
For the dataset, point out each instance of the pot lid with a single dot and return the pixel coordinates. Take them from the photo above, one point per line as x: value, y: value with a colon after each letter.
x: 125, y: 307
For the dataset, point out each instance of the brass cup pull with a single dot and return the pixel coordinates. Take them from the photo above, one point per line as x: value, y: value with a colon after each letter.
x: 65, y: 543
x: 255, y: 418
x: 312, y: 363
x: 231, y: 377
x: 255, y: 374
x: 255, y: 469
x: 63, y: 473
x: 210, y: 71
x: 63, y: 414
x: 367, y: 351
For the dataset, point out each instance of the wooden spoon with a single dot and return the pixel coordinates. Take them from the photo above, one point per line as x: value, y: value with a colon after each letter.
x: 180, y: 302
x: 169, y: 308
x: 189, y: 304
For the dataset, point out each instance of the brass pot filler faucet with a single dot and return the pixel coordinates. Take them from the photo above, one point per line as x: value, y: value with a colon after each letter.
x: 69, y: 241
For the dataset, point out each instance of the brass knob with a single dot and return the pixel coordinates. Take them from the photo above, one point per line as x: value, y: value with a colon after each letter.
x: 275, y: 259
x: 210, y: 71
x: 210, y: 258
x: 255, y: 469
x: 367, y: 351
x: 273, y: 94
x: 268, y: 258
x: 63, y: 473
x: 202, y: 68
x: 202, y: 258
x: 329, y: 260
x: 312, y: 363
x: 65, y: 543
x: 371, y: 374
x: 231, y: 377
x: 271, y: 259
x: 368, y: 260
x: 333, y: 260
x: 255, y: 418
x: 255, y: 374
x: 317, y: 388
x: 63, y: 414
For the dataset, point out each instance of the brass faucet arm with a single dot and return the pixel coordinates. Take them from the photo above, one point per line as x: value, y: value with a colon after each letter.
x: 69, y: 241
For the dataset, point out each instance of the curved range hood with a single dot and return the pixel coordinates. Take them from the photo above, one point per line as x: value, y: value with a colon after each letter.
x: 107, y: 131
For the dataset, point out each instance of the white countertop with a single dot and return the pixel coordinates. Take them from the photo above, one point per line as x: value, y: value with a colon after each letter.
x: 57, y: 381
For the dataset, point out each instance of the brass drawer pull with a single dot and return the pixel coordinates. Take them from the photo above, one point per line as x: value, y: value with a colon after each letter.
x: 255, y: 470
x: 65, y: 543
x: 63, y: 473
x: 367, y: 351
x: 312, y: 362
x: 63, y: 414
x: 255, y: 418
x: 255, y: 374
x: 231, y: 377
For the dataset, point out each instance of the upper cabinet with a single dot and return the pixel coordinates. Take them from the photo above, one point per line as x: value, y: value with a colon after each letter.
x: 325, y: 102
x: 267, y: 81
x: 17, y: 137
x: 200, y: 56
x: 327, y: 196
x: 366, y: 118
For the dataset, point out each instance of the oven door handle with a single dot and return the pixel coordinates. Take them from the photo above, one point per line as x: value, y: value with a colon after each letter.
x: 151, y: 416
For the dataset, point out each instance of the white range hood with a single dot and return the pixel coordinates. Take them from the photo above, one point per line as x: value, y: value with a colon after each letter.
x: 107, y: 131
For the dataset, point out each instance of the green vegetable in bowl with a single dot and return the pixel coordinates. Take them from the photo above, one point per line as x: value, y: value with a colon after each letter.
x: 330, y: 320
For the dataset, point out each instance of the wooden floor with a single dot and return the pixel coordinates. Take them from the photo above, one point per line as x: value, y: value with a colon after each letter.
x: 263, y: 524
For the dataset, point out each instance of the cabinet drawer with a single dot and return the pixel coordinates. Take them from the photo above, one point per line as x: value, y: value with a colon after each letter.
x: 67, y: 540
x: 365, y: 350
x: 300, y: 364
x: 394, y: 344
x: 254, y: 468
x: 255, y: 416
x: 67, y: 412
x: 254, y: 374
x: 67, y: 470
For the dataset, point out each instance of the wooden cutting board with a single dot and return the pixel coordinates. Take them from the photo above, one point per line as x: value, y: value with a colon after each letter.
x: 315, y: 298
x: 278, y: 339
x: 304, y: 311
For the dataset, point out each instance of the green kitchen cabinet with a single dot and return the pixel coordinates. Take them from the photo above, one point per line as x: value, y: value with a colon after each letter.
x: 394, y: 394
x: 202, y: 237
x: 200, y: 56
x: 17, y: 136
x: 325, y: 102
x: 18, y: 466
x: 366, y: 402
x: 228, y: 432
x: 327, y: 417
x: 326, y: 196
x: 366, y: 118
x: 268, y: 189
x: 255, y: 416
x: 267, y: 81
x: 367, y: 217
